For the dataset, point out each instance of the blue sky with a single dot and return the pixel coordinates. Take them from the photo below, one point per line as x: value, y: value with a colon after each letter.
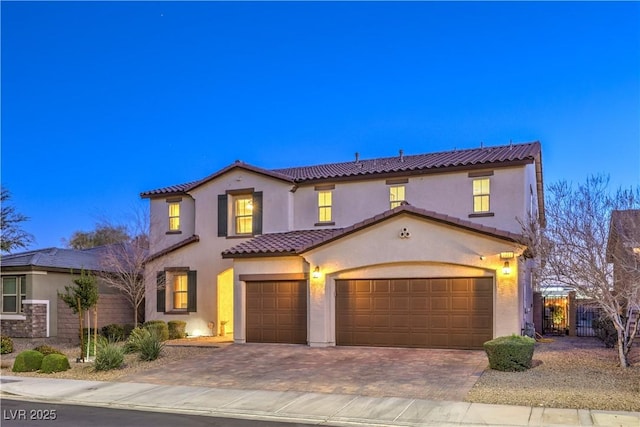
x: 101, y: 101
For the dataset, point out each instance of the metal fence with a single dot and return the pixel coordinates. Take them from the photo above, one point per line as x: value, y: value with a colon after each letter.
x: 555, y: 315
x: 585, y: 315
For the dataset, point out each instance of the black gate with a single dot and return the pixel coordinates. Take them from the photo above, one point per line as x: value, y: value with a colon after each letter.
x: 585, y: 315
x: 555, y: 315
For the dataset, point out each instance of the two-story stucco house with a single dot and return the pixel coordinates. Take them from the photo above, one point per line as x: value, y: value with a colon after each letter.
x: 412, y: 250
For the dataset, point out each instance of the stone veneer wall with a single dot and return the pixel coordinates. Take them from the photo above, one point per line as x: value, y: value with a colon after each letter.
x: 33, y: 326
x: 112, y: 308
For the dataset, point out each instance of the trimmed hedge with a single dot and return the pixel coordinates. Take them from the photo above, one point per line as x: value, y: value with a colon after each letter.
x: 159, y: 327
x: 6, y: 344
x: 47, y: 350
x: 510, y: 353
x: 54, y: 363
x: 28, y: 361
x: 177, y: 329
x: 113, y: 332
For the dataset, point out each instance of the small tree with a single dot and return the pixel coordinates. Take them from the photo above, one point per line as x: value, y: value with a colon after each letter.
x: 573, y: 250
x: 123, y: 269
x: 12, y: 235
x: 80, y: 298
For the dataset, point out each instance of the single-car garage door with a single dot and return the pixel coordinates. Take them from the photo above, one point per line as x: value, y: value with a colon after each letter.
x: 277, y: 312
x: 436, y: 313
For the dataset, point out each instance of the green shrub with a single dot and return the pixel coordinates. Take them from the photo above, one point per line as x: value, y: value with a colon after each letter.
x: 177, y: 329
x: 161, y: 328
x: 510, y: 353
x: 110, y: 356
x: 113, y: 332
x: 605, y: 331
x: 28, y: 361
x: 47, y: 350
x: 135, y: 337
x: 54, y: 362
x: 127, y: 327
x: 151, y: 346
x: 6, y: 344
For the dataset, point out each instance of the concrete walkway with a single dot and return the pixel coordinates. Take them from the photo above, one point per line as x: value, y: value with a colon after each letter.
x: 301, y: 407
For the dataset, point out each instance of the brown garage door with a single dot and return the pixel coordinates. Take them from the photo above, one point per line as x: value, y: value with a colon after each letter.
x: 436, y: 313
x: 277, y: 312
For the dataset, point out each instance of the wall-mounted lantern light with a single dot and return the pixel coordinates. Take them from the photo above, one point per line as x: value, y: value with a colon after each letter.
x: 506, y: 268
x: 316, y: 273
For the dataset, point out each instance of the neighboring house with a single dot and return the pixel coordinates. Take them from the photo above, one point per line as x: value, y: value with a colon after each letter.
x: 31, y: 281
x: 417, y: 251
x: 623, y: 248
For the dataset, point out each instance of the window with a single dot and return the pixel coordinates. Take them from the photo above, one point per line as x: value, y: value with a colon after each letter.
x: 240, y: 213
x: 13, y: 293
x: 174, y: 216
x: 176, y: 290
x: 396, y: 195
x: 180, y: 291
x: 243, y: 213
x: 481, y: 195
x: 324, y: 206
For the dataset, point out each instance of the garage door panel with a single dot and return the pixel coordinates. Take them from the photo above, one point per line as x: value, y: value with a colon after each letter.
x: 277, y: 312
x: 460, y: 303
x: 442, y: 313
x: 439, y: 303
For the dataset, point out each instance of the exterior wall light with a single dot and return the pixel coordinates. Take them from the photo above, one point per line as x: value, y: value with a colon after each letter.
x: 506, y: 268
x: 316, y: 273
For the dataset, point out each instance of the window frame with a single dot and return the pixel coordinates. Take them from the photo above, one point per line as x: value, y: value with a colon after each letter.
x: 20, y: 294
x: 324, y: 207
x: 481, y: 195
x: 236, y: 217
x: 394, y: 203
x: 183, y: 293
x: 174, y: 204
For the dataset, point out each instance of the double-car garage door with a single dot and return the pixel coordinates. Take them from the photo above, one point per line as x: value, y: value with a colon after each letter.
x: 434, y: 313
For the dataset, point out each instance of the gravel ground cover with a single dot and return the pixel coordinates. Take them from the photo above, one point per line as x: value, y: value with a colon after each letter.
x: 568, y: 372
x: 85, y: 371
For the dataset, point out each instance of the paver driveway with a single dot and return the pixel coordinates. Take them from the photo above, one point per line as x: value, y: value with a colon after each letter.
x: 367, y: 371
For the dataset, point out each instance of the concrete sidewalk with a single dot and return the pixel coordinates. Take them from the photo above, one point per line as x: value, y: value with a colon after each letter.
x: 309, y: 408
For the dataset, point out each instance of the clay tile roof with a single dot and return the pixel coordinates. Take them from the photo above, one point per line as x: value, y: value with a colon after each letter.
x: 297, y: 242
x: 388, y: 165
x: 397, y: 164
x: 276, y: 244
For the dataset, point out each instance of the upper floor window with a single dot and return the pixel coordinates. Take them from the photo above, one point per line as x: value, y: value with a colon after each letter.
x: 396, y: 195
x: 240, y: 213
x: 174, y: 216
x: 243, y: 214
x: 481, y: 192
x: 13, y: 293
x: 324, y: 206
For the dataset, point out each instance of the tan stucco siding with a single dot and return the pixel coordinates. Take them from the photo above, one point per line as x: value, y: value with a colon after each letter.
x: 159, y: 219
x: 447, y: 193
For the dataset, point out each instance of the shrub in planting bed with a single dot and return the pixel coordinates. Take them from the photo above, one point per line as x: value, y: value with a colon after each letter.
x: 54, y: 363
x: 28, y: 361
x: 510, y: 353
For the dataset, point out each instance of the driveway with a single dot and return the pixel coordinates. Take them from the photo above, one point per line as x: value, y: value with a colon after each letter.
x: 366, y: 371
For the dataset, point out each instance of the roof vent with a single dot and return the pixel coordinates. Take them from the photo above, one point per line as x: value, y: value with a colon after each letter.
x: 401, y: 155
x: 481, y: 144
x: 357, y: 157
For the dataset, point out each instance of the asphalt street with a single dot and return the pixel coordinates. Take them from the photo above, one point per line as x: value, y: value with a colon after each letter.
x: 22, y: 413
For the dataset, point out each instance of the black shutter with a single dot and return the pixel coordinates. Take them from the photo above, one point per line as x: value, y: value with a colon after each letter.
x: 257, y: 213
x: 161, y: 303
x: 192, y: 291
x: 222, y: 215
